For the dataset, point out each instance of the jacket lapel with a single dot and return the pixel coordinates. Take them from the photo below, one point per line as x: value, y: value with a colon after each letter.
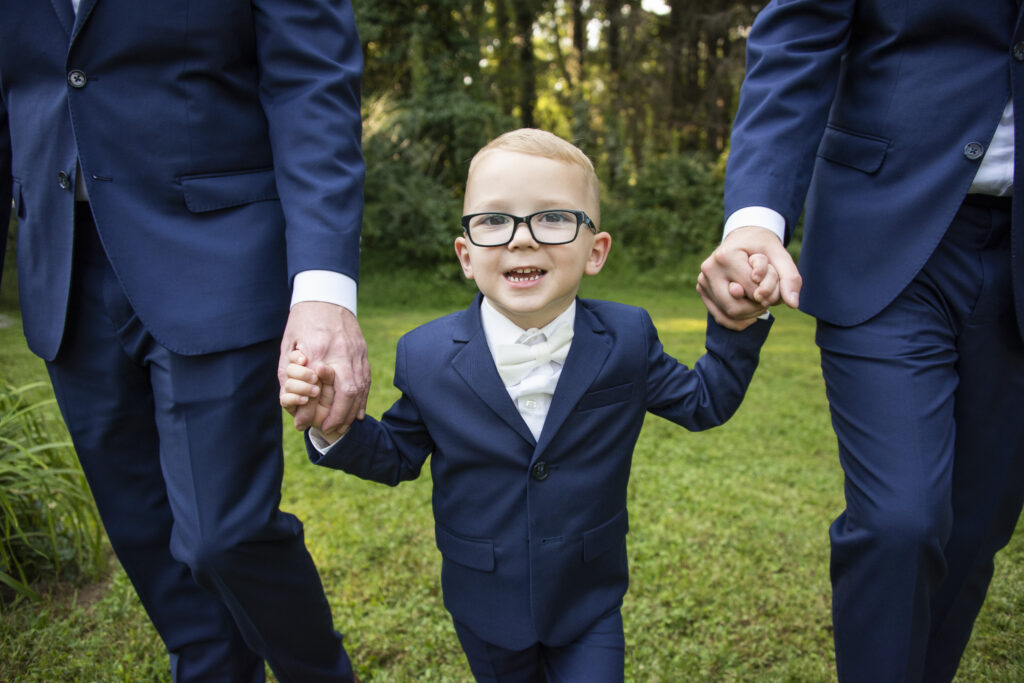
x: 476, y: 367
x: 66, y: 14
x: 589, y: 350
x: 84, y: 10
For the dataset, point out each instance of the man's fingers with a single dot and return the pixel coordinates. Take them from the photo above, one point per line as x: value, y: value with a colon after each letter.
x: 725, y: 280
x: 351, y: 387
x: 304, y: 416
x: 720, y: 317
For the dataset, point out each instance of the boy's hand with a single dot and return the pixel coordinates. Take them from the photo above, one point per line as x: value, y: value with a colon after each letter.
x: 302, y: 385
x: 749, y: 271
x: 769, y: 284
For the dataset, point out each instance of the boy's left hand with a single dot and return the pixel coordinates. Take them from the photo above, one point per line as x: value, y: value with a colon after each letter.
x: 304, y: 385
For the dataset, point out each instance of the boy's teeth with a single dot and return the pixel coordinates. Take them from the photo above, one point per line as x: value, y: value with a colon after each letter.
x: 522, y: 274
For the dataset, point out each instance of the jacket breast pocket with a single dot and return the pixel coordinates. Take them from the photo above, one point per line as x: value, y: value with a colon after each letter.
x: 600, y: 540
x: 606, y: 397
x: 215, y: 191
x: 471, y: 553
x: 856, y: 150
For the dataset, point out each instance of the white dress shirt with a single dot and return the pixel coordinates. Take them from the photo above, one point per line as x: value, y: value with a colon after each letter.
x: 532, y: 395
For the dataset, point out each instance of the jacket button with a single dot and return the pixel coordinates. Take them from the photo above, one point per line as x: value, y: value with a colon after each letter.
x: 64, y: 180
x: 539, y: 471
x: 1018, y: 51
x: 974, y: 150
x: 77, y: 79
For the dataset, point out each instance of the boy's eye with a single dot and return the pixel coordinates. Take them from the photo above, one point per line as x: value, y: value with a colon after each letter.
x: 493, y: 220
x: 556, y: 218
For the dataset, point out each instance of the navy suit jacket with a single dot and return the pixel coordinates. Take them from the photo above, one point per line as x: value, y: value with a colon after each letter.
x: 219, y: 143
x: 533, y: 532
x: 877, y: 113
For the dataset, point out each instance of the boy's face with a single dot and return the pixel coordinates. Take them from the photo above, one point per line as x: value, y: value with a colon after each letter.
x: 530, y: 283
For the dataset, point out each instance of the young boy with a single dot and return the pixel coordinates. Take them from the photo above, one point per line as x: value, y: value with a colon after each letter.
x: 530, y: 402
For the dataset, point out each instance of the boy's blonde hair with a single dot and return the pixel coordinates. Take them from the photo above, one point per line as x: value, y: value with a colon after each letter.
x: 541, y: 143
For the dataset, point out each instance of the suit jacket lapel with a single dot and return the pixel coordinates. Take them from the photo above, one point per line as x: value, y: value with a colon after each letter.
x: 589, y: 350
x: 476, y: 367
x: 66, y: 14
x: 84, y: 10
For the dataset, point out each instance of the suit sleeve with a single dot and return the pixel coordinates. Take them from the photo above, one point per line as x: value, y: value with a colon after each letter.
x: 5, y: 181
x: 389, y: 451
x: 310, y: 62
x: 707, y: 395
x: 794, y: 54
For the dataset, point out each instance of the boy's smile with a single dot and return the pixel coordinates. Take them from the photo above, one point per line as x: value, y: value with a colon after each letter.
x: 528, y: 282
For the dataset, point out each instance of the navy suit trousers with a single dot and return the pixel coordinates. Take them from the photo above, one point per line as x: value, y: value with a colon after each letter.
x: 597, y: 656
x: 926, y: 404
x: 183, y: 456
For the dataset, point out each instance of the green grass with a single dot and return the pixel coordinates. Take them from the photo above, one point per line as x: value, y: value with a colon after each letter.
x: 728, y: 542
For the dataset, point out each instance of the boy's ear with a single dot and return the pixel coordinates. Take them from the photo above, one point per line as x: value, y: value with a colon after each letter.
x: 598, y: 253
x: 462, y: 251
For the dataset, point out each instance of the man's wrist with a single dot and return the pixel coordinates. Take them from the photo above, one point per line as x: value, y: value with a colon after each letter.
x: 324, y: 285
x: 756, y: 216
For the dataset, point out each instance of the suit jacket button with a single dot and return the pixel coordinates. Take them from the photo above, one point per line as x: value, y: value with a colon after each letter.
x: 77, y: 79
x: 539, y: 471
x: 974, y: 150
x: 1018, y: 51
x: 64, y: 180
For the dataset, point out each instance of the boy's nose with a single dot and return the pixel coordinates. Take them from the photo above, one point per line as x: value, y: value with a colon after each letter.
x: 522, y: 238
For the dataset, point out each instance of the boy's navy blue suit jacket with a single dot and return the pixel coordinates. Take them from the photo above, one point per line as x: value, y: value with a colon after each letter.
x: 533, y: 533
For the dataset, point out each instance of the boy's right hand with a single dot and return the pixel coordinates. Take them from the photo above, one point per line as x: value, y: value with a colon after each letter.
x: 304, y: 385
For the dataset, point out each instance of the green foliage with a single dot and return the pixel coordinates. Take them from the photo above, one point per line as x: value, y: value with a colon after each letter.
x: 674, y: 209
x: 49, y: 528
x: 728, y: 541
x: 9, y: 280
x: 417, y: 155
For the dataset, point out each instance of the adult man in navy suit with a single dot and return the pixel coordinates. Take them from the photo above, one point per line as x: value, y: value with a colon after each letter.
x: 175, y: 167
x: 895, y: 120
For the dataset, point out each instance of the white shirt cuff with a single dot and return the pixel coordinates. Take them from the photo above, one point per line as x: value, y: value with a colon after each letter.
x: 324, y: 285
x: 759, y: 216
x: 320, y: 443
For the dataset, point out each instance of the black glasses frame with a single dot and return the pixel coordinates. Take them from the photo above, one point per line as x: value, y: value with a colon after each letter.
x: 581, y: 219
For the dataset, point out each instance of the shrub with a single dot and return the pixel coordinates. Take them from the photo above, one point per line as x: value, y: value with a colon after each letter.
x: 673, y: 210
x: 49, y: 528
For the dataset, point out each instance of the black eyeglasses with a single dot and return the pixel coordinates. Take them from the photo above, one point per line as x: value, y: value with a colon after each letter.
x: 554, y: 226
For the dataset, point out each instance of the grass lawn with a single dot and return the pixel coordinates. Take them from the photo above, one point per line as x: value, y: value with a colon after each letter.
x: 728, y: 542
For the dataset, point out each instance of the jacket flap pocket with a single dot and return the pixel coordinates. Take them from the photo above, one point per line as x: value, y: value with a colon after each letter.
x: 601, y: 539
x: 223, y: 190
x: 856, y: 150
x: 471, y: 553
x: 605, y: 397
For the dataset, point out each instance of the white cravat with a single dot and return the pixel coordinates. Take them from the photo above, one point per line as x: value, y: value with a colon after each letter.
x: 534, y: 349
x: 532, y: 393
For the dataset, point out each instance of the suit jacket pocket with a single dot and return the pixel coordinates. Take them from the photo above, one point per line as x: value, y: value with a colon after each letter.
x: 606, y: 397
x: 856, y: 150
x: 472, y: 553
x: 223, y: 190
x: 600, y: 540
